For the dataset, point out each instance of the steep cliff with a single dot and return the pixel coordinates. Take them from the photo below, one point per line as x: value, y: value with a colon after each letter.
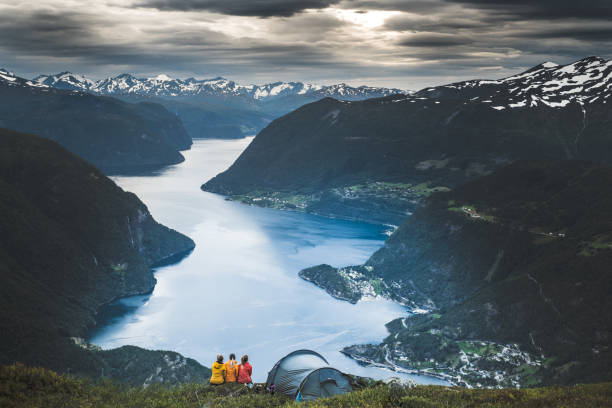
x: 70, y: 241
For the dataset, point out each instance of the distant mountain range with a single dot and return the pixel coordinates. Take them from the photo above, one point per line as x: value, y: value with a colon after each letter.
x: 586, y: 81
x: 216, y: 107
x: 112, y: 134
x: 165, y: 86
x: 331, y: 151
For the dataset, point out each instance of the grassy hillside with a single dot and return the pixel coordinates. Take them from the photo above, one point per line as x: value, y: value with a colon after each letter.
x: 21, y: 386
x: 514, y: 271
x: 70, y: 241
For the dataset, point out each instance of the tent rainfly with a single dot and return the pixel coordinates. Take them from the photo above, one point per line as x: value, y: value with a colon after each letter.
x: 306, y: 375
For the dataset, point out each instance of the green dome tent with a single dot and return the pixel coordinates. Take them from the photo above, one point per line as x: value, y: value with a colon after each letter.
x: 306, y: 375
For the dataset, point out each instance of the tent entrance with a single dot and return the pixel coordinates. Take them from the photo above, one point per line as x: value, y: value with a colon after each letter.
x: 324, y: 382
x: 307, y: 373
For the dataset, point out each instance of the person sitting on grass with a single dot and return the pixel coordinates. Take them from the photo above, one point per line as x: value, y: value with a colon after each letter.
x: 218, y: 371
x: 245, y: 371
x: 231, y: 369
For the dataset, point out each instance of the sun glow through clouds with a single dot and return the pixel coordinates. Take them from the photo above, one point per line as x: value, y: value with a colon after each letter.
x: 364, y: 18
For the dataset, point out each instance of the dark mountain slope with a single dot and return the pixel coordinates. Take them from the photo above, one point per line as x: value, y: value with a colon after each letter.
x: 70, y: 241
x: 217, y: 107
x: 517, y: 257
x: 210, y: 117
x: 111, y: 134
x: 439, y: 136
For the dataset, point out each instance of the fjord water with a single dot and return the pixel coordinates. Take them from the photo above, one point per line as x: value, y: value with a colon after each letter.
x: 238, y: 291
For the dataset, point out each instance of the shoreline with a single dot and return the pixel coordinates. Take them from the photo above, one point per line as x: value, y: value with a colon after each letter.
x: 165, y: 261
x: 99, y: 330
x: 395, y: 368
x: 333, y: 216
x: 390, y: 228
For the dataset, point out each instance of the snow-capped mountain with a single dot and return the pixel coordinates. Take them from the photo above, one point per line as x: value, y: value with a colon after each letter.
x: 164, y: 86
x: 9, y: 78
x: 545, y: 84
x: 219, y: 107
x: 585, y: 81
x: 65, y: 80
x: 440, y: 136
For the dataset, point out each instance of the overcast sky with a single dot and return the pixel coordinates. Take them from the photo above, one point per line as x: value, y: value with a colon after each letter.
x: 408, y: 44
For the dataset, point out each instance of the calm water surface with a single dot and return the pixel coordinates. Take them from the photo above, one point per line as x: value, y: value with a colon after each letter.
x: 239, y: 290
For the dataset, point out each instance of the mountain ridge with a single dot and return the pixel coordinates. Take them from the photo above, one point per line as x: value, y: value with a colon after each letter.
x: 217, y: 107
x: 163, y: 85
x: 331, y: 154
x: 110, y: 133
x: 547, y: 84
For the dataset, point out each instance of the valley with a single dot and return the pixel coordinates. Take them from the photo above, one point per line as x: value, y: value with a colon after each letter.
x: 253, y: 253
x: 321, y: 203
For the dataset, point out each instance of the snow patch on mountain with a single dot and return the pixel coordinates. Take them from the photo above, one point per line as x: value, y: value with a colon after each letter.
x: 586, y: 81
x: 9, y: 78
x: 65, y: 80
x: 161, y: 78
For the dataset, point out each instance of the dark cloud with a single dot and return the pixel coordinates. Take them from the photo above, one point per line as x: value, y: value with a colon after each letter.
x: 44, y: 39
x: 252, y: 8
x: 74, y: 35
x: 40, y: 29
x: 544, y: 9
x: 425, y: 42
x: 525, y: 9
x: 412, y: 6
x: 433, y: 40
x: 513, y: 33
x: 432, y: 23
x: 312, y: 28
x: 597, y: 33
x: 50, y: 34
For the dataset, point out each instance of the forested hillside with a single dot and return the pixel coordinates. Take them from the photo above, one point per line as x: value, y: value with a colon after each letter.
x: 514, y: 262
x: 72, y: 240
